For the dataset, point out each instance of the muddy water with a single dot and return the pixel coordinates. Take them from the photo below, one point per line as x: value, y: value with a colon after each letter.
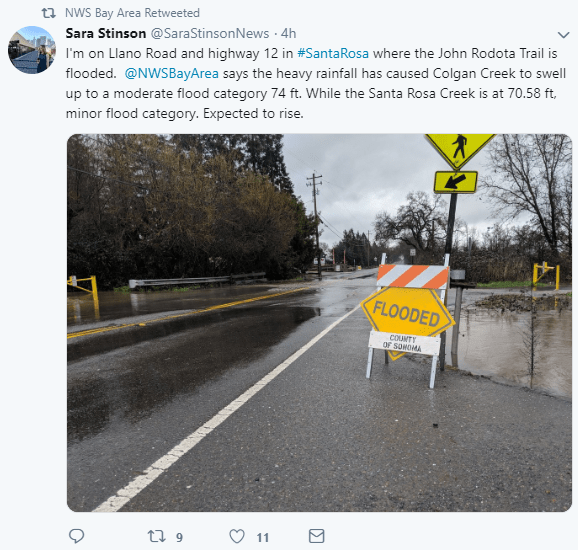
x: 492, y: 343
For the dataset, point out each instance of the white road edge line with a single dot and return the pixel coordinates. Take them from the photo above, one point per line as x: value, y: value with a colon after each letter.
x: 124, y: 495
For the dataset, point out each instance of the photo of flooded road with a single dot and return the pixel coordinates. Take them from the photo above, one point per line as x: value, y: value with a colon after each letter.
x: 218, y: 356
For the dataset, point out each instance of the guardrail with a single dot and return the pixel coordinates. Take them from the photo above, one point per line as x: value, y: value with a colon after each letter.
x: 134, y: 283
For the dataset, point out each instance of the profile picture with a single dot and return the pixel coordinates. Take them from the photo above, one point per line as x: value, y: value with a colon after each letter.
x: 32, y: 50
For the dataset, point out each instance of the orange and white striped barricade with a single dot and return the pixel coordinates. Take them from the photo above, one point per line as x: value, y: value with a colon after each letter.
x: 406, y: 313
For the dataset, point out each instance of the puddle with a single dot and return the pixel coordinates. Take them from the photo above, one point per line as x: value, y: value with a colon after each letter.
x: 495, y: 344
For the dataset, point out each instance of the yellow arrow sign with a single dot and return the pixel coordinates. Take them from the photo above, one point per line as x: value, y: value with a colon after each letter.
x: 455, y: 182
x: 457, y: 149
x: 414, y: 311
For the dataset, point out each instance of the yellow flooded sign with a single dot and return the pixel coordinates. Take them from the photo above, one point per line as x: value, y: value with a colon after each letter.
x: 457, y: 149
x: 411, y: 311
x: 455, y: 182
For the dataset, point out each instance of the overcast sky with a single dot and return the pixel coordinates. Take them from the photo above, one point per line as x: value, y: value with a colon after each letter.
x: 364, y: 174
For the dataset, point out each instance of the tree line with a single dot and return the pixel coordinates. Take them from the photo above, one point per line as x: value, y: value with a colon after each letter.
x: 171, y: 206
x: 355, y: 249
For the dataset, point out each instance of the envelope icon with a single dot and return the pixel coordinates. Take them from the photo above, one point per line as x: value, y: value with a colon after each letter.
x: 316, y: 535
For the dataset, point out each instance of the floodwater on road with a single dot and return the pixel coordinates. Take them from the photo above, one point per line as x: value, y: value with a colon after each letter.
x: 82, y: 309
x: 496, y: 344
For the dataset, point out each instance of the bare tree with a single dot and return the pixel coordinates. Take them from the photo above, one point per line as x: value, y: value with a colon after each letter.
x: 416, y: 223
x: 531, y: 340
x: 532, y: 174
x: 566, y: 212
x: 498, y: 239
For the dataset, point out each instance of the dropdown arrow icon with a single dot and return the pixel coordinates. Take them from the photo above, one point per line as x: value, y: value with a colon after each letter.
x: 564, y: 35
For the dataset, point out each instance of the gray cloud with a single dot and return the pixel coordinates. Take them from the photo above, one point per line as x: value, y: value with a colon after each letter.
x: 364, y: 174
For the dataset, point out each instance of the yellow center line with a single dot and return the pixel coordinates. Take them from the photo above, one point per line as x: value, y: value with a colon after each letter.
x: 221, y: 306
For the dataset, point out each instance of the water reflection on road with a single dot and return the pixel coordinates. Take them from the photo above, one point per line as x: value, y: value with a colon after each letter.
x: 81, y: 310
x: 492, y: 344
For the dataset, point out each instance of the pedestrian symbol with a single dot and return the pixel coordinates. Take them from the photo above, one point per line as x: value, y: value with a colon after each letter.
x: 457, y: 149
x: 455, y: 182
x: 461, y: 141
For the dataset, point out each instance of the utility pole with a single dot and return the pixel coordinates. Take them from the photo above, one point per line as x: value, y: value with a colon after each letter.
x: 368, y: 249
x: 316, y: 221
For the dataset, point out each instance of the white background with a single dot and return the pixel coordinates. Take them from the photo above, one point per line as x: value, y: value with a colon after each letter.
x: 34, y: 236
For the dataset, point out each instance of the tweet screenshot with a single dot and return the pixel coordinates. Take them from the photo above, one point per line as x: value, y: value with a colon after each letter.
x: 318, y: 263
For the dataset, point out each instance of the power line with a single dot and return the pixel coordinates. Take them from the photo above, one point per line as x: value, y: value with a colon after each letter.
x: 362, y: 244
x: 296, y: 157
x: 339, y: 205
x: 329, y: 227
x: 325, y: 221
x: 304, y: 164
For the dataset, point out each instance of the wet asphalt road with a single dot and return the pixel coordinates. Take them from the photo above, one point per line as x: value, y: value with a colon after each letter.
x: 320, y: 436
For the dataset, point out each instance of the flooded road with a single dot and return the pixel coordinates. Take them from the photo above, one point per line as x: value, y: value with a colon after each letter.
x: 317, y: 436
x: 151, y: 364
x: 82, y: 309
x: 494, y: 343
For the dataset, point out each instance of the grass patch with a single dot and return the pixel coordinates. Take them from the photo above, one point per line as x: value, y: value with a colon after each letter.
x: 569, y: 294
x: 184, y: 288
x: 122, y: 289
x: 509, y: 284
x: 170, y: 288
x: 158, y: 289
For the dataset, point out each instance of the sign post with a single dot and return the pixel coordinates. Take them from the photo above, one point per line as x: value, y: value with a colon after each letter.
x: 456, y: 150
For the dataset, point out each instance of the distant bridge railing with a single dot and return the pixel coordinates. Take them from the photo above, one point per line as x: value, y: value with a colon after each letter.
x: 134, y: 283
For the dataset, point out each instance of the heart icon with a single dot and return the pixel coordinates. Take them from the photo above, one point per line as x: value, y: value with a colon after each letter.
x: 237, y: 535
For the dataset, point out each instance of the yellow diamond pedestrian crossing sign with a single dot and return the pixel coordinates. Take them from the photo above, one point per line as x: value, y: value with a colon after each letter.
x: 455, y: 182
x: 457, y: 149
